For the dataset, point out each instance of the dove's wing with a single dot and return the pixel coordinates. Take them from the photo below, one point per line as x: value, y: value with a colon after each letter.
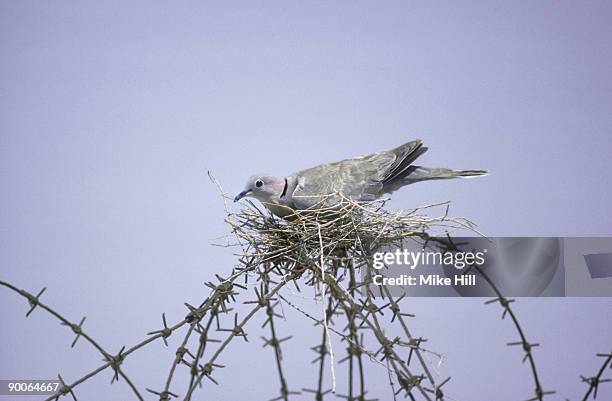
x: 361, y: 178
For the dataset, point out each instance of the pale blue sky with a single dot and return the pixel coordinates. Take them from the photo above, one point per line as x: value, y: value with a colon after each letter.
x: 111, y: 114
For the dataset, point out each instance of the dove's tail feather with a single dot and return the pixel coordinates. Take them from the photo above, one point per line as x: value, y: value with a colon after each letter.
x: 469, y: 173
x: 419, y: 173
x: 405, y: 154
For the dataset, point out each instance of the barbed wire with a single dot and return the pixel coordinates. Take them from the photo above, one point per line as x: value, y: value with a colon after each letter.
x: 448, y: 244
x: 113, y: 361
x: 322, y: 251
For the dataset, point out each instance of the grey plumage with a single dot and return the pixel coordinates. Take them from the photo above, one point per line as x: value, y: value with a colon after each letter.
x: 361, y: 178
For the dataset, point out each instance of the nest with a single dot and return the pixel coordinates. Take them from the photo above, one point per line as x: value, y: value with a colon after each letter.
x: 344, y: 234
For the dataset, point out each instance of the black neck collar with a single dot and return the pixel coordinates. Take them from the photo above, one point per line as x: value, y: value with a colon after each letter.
x: 284, y: 190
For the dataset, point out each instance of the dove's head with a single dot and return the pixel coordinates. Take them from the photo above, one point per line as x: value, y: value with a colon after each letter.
x: 265, y: 188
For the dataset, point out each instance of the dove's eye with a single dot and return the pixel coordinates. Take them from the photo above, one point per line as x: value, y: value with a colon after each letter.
x: 259, y: 183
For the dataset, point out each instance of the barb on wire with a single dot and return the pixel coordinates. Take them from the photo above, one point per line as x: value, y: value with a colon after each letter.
x: 593, y: 382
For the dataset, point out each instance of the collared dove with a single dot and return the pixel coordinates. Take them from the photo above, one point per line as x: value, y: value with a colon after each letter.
x: 362, y: 178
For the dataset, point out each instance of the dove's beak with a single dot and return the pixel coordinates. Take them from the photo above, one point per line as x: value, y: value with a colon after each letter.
x: 241, y: 195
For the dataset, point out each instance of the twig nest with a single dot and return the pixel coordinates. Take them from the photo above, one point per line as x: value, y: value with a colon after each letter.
x: 341, y: 231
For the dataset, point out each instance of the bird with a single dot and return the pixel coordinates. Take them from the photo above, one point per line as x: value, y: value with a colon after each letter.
x: 361, y: 178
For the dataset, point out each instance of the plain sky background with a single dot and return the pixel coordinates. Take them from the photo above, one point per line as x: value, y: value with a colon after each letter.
x: 111, y: 114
